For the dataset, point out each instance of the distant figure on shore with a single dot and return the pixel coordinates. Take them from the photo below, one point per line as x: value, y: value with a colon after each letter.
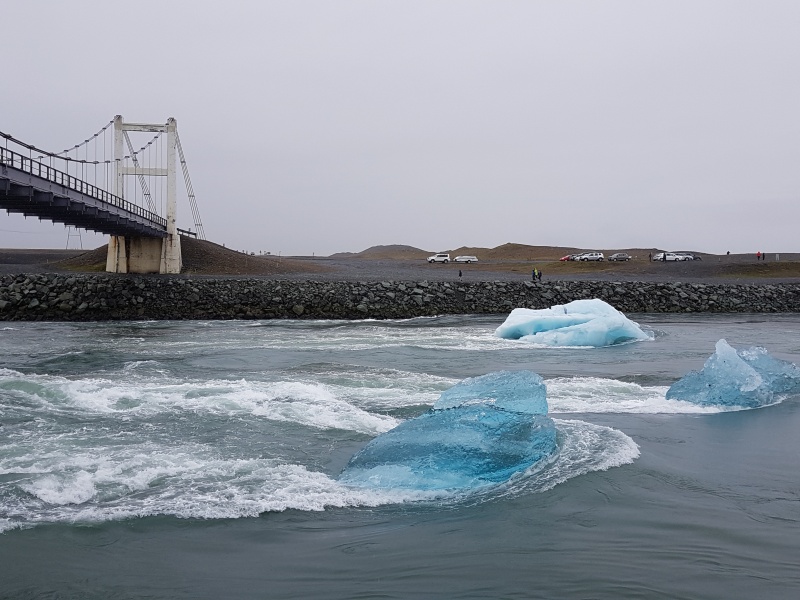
x: 650, y: 257
x: 459, y: 273
x: 533, y: 274
x: 758, y: 255
x: 539, y: 274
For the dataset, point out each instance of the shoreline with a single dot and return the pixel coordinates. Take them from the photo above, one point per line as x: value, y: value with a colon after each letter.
x: 219, y: 283
x: 101, y: 297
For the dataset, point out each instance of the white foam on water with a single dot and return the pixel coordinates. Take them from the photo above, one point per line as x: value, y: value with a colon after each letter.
x: 584, y: 448
x: 9, y: 525
x: 75, y: 489
x: 317, y: 406
x: 309, y: 404
x: 340, y: 398
x: 9, y: 374
x: 83, y: 476
x: 599, y: 395
x: 185, y: 482
x: 366, y: 335
x: 383, y: 398
x: 381, y: 389
x: 136, y: 364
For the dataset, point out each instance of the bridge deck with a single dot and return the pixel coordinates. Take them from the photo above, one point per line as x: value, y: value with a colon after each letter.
x: 35, y: 189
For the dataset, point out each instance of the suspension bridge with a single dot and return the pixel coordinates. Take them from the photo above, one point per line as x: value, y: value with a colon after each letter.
x: 130, y: 195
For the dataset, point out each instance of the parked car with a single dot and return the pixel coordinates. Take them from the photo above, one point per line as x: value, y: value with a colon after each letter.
x: 688, y: 255
x: 620, y: 256
x: 670, y: 256
x: 440, y: 257
x: 598, y: 256
x: 569, y: 257
x: 466, y: 259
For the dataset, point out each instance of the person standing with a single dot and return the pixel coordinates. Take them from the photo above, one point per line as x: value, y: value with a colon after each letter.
x: 459, y: 273
x: 758, y: 255
x: 539, y: 275
x: 533, y: 274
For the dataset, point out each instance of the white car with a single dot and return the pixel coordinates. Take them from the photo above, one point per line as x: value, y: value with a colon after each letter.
x: 466, y: 259
x: 591, y: 256
x: 669, y: 256
x: 440, y: 257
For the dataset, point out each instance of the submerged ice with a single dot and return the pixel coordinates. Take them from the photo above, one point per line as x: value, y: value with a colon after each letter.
x: 746, y: 378
x: 481, y: 431
x: 578, y: 323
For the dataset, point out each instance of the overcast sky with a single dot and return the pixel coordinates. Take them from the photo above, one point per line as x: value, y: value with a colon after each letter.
x: 329, y: 126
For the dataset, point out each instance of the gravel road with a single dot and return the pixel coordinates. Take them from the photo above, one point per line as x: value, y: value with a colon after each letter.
x: 711, y: 270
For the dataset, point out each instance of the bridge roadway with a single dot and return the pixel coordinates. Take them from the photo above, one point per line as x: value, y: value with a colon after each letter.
x: 34, y: 189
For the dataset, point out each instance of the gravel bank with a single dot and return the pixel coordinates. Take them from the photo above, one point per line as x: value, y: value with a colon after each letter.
x: 59, y: 297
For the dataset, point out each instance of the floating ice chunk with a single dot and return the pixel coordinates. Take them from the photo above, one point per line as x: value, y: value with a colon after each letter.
x: 743, y: 378
x: 578, y: 323
x: 517, y: 391
x: 481, y: 431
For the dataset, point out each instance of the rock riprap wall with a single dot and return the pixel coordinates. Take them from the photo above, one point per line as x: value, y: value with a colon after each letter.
x: 103, y: 297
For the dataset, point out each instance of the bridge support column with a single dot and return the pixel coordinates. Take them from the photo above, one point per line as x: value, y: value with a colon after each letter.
x: 171, y: 259
x: 117, y: 257
x: 140, y: 254
x: 136, y: 255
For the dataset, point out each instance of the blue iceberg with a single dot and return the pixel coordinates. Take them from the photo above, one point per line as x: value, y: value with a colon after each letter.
x: 481, y: 431
x: 516, y: 391
x: 578, y: 323
x: 747, y: 378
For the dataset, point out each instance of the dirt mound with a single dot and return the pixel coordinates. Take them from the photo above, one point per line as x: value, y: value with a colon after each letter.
x: 93, y: 260
x: 201, y: 257
x: 390, y: 251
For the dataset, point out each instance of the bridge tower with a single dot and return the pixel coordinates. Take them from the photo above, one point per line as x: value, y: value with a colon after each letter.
x: 143, y: 254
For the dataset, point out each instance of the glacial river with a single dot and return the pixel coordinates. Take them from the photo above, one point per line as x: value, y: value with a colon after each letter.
x: 200, y: 460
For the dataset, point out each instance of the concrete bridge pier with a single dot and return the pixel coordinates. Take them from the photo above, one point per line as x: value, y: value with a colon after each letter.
x: 144, y: 255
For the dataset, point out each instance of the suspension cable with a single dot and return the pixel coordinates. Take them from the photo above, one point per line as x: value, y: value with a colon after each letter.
x: 76, y: 146
x: 31, y: 148
x: 189, y: 189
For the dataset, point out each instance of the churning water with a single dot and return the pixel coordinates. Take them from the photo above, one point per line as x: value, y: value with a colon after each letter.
x: 200, y: 460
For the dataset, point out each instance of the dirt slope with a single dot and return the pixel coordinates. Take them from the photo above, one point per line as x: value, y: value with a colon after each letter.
x: 201, y: 257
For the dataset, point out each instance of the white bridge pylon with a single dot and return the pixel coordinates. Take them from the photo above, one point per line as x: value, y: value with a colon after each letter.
x: 142, y: 254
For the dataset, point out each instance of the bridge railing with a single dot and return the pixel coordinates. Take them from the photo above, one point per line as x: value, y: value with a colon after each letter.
x: 39, y: 169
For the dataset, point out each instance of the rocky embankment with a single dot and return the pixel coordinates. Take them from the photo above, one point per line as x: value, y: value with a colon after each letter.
x: 57, y: 297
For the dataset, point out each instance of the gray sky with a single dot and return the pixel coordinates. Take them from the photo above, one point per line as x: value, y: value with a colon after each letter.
x: 328, y: 126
